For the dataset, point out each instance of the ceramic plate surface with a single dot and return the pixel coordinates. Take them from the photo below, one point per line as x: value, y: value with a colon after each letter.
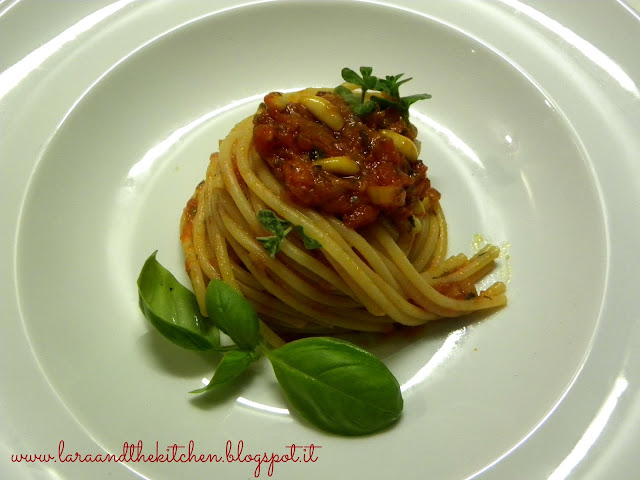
x: 109, y: 114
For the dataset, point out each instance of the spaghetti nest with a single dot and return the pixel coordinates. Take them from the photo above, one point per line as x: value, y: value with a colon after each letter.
x: 392, y: 270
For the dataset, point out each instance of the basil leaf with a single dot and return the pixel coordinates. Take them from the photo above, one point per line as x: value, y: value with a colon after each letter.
x: 391, y: 85
x: 363, y: 109
x: 233, y: 314
x: 281, y: 228
x: 368, y: 81
x: 271, y: 244
x: 352, y: 77
x: 232, y: 365
x: 309, y: 242
x: 386, y: 102
x: 348, y: 96
x: 172, y: 309
x: 354, y: 101
x: 337, y: 386
x: 271, y: 222
x: 411, y: 99
x: 345, y: 93
x: 366, y: 71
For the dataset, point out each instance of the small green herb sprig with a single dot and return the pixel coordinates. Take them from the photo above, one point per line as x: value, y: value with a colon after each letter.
x: 280, y: 229
x: 333, y: 384
x: 390, y: 85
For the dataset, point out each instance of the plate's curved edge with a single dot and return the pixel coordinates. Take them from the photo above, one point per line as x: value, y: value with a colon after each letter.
x: 628, y: 391
x: 58, y: 47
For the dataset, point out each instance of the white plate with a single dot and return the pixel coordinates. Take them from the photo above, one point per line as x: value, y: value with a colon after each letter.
x: 109, y: 113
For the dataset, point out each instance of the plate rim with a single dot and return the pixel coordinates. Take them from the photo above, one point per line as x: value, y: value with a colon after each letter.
x: 587, y: 364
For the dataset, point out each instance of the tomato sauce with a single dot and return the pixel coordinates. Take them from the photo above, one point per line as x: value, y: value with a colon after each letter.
x: 289, y: 139
x: 188, y: 214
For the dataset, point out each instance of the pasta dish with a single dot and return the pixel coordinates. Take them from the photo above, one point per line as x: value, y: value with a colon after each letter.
x: 318, y: 209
